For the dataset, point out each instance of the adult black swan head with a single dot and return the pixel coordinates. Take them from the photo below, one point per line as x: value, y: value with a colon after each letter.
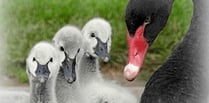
x: 144, y: 20
x: 183, y: 78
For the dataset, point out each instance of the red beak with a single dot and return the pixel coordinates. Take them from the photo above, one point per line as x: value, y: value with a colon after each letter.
x: 137, y: 50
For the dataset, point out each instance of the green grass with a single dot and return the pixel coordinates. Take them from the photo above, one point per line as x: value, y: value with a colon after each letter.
x: 30, y: 21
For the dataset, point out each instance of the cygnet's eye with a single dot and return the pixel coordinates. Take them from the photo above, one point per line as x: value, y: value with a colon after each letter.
x: 51, y: 60
x: 34, y: 59
x: 92, y: 35
x: 62, y: 48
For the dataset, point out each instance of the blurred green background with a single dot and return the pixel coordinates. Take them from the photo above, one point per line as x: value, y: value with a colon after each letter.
x: 29, y: 21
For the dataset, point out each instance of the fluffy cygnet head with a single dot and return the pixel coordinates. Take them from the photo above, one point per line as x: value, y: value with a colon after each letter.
x: 69, y: 41
x: 97, y: 34
x: 43, y: 61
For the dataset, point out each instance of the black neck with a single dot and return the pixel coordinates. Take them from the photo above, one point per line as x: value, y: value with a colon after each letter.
x: 184, y: 72
x: 194, y: 39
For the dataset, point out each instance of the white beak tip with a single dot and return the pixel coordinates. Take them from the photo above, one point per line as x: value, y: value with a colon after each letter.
x: 131, y: 72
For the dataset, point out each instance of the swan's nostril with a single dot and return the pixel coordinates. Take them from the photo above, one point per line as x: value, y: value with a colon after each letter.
x: 38, y: 71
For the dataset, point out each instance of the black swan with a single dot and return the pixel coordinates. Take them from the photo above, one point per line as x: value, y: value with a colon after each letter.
x: 183, y: 77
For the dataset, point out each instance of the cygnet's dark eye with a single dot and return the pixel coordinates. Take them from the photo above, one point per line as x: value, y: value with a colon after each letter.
x: 51, y: 60
x: 34, y: 59
x: 62, y: 48
x: 92, y: 35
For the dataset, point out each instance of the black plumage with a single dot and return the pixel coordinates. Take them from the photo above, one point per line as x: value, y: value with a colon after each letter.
x: 183, y: 77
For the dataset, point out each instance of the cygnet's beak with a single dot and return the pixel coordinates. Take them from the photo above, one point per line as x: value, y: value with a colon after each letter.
x: 101, y: 50
x: 68, y: 67
x: 42, y: 72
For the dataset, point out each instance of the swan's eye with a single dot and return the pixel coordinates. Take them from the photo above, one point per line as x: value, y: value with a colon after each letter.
x: 51, y: 60
x: 34, y: 59
x: 147, y: 20
x: 92, y: 35
x: 62, y: 48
